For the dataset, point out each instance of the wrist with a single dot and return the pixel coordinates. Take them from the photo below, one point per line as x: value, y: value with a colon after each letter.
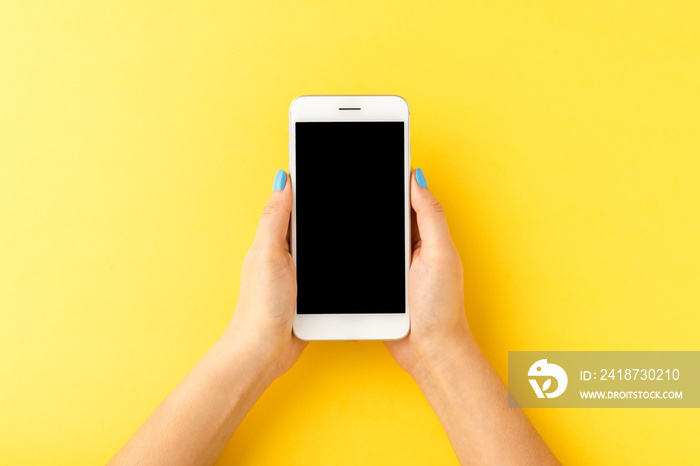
x: 242, y: 351
x: 438, y: 356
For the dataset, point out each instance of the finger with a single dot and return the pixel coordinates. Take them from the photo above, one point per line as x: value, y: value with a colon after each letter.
x: 430, y: 218
x: 415, y: 233
x: 273, y: 227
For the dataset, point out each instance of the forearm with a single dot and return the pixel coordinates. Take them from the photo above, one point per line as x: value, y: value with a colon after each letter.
x: 471, y: 403
x: 195, y: 422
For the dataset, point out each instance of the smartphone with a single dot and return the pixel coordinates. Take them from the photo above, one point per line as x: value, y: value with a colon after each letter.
x: 350, y: 167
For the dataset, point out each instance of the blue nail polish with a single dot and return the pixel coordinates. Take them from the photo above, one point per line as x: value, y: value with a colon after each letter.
x: 420, y: 178
x: 280, y: 180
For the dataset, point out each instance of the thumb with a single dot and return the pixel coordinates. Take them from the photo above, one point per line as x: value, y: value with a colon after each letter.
x: 430, y: 218
x: 273, y: 226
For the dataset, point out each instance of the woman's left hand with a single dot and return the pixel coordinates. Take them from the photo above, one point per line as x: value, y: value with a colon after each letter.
x: 267, y: 298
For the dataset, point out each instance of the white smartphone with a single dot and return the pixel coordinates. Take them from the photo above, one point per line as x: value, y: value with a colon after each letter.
x: 349, y: 161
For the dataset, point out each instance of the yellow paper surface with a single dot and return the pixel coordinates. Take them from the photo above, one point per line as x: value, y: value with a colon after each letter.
x: 139, y: 141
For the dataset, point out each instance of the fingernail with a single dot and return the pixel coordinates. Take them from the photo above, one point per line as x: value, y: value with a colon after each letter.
x: 280, y: 180
x: 420, y: 178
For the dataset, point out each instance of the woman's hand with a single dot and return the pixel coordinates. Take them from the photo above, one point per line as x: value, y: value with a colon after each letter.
x: 443, y: 358
x: 195, y: 422
x: 435, y: 288
x: 267, y: 298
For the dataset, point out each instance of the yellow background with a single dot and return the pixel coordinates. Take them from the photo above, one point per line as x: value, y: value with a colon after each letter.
x: 139, y: 141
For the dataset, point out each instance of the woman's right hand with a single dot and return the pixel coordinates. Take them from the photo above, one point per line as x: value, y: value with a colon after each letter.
x: 443, y: 358
x: 435, y: 288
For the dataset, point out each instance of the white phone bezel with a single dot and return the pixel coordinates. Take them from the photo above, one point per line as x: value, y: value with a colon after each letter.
x: 336, y: 108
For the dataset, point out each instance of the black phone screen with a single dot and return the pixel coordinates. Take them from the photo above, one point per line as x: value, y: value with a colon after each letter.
x: 350, y: 217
